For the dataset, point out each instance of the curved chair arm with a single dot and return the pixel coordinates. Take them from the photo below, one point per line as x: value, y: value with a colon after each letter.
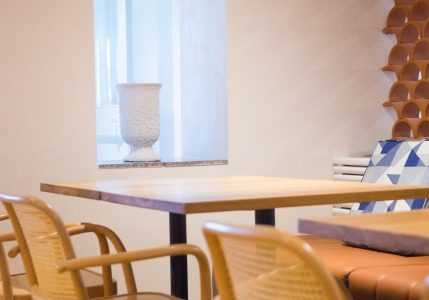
x: 130, y: 256
x: 104, y: 234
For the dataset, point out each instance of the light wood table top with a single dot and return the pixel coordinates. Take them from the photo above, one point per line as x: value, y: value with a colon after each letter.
x: 182, y: 196
x: 399, y: 232
x: 210, y: 194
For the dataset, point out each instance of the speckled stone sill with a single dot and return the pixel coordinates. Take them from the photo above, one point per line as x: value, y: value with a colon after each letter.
x: 159, y: 164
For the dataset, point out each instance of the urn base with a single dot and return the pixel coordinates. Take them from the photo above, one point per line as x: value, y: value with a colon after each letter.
x: 142, y: 154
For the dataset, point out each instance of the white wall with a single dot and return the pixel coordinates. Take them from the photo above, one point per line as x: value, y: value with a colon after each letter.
x: 304, y: 84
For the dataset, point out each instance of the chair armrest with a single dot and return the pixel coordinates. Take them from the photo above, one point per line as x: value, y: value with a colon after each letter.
x: 132, y: 256
x: 105, y: 234
x: 79, y: 228
x: 4, y: 216
x: 75, y: 229
x: 7, y: 237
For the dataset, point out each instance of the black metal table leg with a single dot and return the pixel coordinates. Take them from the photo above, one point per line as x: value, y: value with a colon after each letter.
x: 265, y: 216
x: 178, y: 264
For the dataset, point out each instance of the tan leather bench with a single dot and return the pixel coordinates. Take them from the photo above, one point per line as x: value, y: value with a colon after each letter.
x: 377, y: 275
x: 372, y: 275
x: 392, y: 283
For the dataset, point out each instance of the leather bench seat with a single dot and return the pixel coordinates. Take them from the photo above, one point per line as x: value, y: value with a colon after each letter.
x: 388, y: 283
x: 342, y: 260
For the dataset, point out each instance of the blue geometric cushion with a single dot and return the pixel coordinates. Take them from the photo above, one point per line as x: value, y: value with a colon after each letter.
x: 397, y: 162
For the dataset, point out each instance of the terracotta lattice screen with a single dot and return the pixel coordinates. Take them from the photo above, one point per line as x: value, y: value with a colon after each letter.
x: 408, y: 20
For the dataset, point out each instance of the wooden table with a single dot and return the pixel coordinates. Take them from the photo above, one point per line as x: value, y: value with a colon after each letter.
x: 398, y: 232
x: 181, y: 196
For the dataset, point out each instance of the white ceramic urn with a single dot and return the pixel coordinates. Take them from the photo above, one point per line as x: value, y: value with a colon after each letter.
x: 139, y: 119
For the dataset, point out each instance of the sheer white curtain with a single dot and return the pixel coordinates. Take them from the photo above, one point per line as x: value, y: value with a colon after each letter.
x: 180, y: 44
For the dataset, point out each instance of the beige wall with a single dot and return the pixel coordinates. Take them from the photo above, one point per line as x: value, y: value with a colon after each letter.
x: 304, y: 84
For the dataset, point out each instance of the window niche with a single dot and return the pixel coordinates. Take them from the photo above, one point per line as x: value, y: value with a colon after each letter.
x: 182, y: 46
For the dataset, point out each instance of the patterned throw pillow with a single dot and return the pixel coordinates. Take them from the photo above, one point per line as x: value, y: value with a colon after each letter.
x: 397, y: 162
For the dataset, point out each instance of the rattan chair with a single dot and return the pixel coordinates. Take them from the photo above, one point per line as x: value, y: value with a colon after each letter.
x: 50, y: 260
x: 17, y: 286
x: 263, y: 263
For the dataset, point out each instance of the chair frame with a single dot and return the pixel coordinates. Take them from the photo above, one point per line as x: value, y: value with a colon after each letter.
x: 103, y: 234
x: 268, y: 235
x: 4, y: 267
x: 73, y: 265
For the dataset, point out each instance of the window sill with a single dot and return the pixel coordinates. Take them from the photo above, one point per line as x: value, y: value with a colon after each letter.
x: 118, y: 164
